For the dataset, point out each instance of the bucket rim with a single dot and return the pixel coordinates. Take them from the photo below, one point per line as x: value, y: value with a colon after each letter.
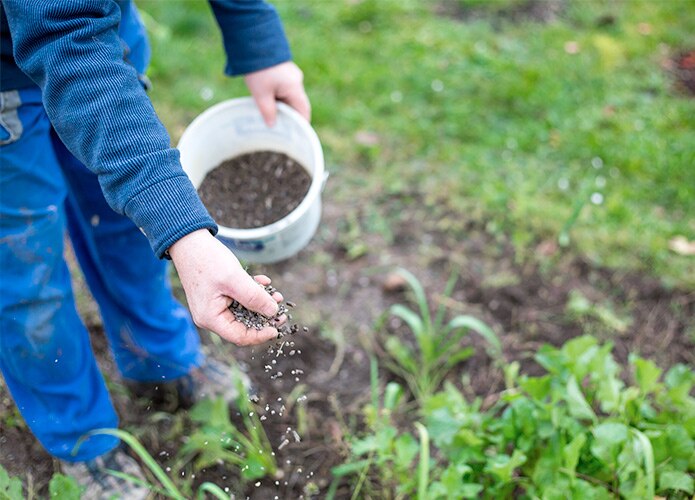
x: 317, y: 179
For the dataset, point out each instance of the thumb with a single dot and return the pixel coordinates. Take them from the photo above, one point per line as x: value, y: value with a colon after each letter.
x: 254, y: 297
x: 267, y: 107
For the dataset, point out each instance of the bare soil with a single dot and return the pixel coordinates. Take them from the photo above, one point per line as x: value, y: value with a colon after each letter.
x: 522, y: 293
x: 254, y: 190
x: 540, y: 11
x: 682, y: 66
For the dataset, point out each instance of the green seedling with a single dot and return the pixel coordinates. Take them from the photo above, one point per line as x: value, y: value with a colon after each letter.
x: 216, y: 439
x: 381, y: 460
x: 436, y: 349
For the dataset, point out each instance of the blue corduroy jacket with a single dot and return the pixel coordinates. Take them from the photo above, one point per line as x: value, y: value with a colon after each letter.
x: 97, y: 105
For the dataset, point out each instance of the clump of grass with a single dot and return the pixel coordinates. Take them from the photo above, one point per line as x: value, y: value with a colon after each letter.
x: 436, y: 349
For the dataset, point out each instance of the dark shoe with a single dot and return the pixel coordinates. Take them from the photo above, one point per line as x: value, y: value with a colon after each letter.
x: 98, y: 483
x: 212, y: 380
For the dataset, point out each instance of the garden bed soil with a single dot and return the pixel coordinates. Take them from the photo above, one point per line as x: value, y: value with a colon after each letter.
x: 339, y: 296
x: 496, y: 12
x: 254, y: 189
x: 683, y: 68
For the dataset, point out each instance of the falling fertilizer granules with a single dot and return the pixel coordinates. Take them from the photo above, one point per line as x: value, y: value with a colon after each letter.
x: 254, y: 189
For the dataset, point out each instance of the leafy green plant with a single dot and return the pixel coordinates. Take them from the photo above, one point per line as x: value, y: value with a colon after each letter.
x: 60, y: 486
x: 216, y: 439
x: 437, y: 344
x: 10, y: 487
x: 579, y: 431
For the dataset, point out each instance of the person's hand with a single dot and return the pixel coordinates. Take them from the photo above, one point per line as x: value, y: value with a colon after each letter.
x: 211, y: 276
x: 283, y: 82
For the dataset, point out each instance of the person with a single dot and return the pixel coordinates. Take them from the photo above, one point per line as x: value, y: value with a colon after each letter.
x: 82, y: 148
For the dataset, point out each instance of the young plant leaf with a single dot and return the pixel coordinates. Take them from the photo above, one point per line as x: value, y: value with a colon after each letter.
x: 576, y: 402
x: 494, y: 344
x: 424, y: 464
x: 609, y: 437
x: 63, y: 487
x: 571, y: 453
x: 413, y: 321
x: 673, y: 480
x: 648, y: 457
x: 646, y: 374
x: 419, y: 292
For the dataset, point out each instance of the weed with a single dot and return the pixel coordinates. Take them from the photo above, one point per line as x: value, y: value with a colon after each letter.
x: 437, y: 347
x: 382, y: 450
x: 217, y: 440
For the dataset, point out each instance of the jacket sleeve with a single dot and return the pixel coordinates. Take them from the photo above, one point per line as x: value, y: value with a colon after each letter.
x: 252, y: 34
x: 101, y: 112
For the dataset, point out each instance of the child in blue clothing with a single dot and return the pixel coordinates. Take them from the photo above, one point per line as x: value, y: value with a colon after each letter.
x: 82, y: 149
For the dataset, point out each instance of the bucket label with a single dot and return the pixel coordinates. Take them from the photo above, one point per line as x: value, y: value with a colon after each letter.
x: 248, y: 246
x: 251, y: 125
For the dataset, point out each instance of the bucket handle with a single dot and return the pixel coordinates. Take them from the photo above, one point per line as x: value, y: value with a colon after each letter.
x: 326, y: 175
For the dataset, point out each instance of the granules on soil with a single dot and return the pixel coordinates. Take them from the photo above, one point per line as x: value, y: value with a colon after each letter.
x: 254, y: 189
x: 255, y: 320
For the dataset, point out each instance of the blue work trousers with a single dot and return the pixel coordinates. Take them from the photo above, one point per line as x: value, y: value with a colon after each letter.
x: 45, y: 353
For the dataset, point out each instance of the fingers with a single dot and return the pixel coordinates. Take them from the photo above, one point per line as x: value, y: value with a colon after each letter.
x: 265, y: 281
x: 235, y: 332
x: 262, y: 279
x: 266, y: 105
x: 300, y: 102
x: 247, y: 292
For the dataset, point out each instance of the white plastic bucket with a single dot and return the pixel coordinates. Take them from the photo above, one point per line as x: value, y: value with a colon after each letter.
x: 235, y: 127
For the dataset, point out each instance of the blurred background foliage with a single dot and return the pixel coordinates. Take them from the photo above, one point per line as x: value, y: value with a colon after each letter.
x: 546, y: 120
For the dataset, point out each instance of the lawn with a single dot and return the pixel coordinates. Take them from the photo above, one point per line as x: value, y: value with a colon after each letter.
x: 570, y: 129
x: 531, y: 164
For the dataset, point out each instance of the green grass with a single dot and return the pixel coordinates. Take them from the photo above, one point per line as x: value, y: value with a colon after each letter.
x: 494, y: 120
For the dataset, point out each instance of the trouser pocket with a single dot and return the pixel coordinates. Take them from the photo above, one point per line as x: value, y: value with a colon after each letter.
x: 10, y: 124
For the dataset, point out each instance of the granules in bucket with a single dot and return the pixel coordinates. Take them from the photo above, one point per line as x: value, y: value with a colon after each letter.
x: 254, y: 190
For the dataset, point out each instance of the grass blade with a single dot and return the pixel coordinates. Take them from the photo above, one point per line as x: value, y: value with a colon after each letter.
x: 648, y: 451
x: 424, y: 464
x: 441, y: 310
x: 374, y: 381
x: 413, y: 321
x: 464, y: 321
x: 420, y: 296
x: 214, y: 490
x: 141, y: 452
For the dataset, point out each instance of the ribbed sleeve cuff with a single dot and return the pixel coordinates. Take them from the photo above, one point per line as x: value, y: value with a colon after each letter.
x: 168, y: 211
x: 257, y: 47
